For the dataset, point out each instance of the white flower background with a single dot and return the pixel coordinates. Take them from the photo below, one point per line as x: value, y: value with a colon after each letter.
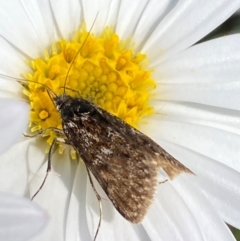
x: 197, y: 117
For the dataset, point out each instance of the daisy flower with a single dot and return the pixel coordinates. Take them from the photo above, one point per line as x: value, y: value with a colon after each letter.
x: 140, y: 63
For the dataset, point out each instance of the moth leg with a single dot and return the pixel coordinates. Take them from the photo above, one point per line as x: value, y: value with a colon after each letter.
x: 67, y: 88
x: 99, y: 202
x: 163, y: 181
x: 49, y: 167
x: 59, y: 131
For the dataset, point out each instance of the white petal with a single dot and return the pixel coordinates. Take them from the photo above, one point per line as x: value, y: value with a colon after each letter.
x: 215, y: 61
x: 112, y: 17
x: 221, y: 69
x: 76, y: 223
x: 113, y: 13
x: 187, y: 23
x: 129, y: 15
x: 13, y: 122
x: 10, y: 89
x: 218, y: 182
x: 230, y: 26
x: 223, y: 95
x: 219, y: 118
x: 212, y: 226
x: 13, y: 66
x: 217, y: 144
x: 154, y: 12
x: 67, y: 16
x: 38, y: 25
x: 20, y: 219
x: 169, y: 218
x: 99, y: 8
x: 12, y: 60
x: 114, y: 226
x: 19, y: 163
x: 43, y: 24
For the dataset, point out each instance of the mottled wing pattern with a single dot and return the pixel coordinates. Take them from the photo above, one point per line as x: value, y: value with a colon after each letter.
x: 145, y: 144
x: 123, y: 160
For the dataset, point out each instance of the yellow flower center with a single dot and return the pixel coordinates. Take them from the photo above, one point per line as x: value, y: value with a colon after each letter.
x: 106, y: 71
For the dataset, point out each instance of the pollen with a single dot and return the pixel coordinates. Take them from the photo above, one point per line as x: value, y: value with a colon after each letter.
x: 102, y: 69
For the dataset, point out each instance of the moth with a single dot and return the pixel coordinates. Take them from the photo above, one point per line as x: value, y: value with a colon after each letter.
x: 124, y: 161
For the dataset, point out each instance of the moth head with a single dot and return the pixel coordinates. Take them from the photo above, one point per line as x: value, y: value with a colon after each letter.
x: 59, y: 101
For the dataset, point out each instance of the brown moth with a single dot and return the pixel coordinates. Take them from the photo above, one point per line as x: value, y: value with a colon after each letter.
x: 124, y: 161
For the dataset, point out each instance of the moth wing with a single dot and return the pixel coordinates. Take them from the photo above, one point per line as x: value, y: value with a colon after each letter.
x: 165, y: 161
x: 124, y: 161
x: 130, y: 186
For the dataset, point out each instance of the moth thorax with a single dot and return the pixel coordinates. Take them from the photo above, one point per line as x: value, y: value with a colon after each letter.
x: 85, y: 108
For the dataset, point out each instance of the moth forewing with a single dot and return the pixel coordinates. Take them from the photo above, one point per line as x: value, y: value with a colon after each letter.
x: 124, y: 161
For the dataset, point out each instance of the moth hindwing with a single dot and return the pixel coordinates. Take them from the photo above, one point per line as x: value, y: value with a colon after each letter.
x: 124, y: 161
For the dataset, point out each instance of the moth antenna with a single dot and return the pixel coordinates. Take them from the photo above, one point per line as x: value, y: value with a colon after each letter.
x: 11, y: 77
x: 70, y: 67
x: 49, y: 91
x: 99, y: 203
x: 19, y: 80
x: 47, y: 88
